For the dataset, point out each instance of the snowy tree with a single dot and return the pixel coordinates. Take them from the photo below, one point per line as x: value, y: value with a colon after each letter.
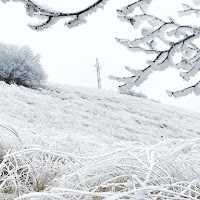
x: 168, y: 43
x: 48, y: 16
x: 20, y: 66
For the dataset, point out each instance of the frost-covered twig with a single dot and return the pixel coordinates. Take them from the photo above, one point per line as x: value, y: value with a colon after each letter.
x: 162, y: 40
x: 50, y: 17
x: 194, y: 88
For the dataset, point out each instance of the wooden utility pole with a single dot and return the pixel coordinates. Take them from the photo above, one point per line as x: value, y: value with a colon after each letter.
x: 98, y: 73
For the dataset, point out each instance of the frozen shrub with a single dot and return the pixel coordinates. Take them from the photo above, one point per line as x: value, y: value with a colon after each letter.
x: 20, y: 66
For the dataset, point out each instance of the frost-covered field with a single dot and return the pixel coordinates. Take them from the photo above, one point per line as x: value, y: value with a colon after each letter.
x: 65, y: 142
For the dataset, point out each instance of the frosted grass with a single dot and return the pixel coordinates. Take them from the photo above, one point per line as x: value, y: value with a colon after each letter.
x: 35, y: 169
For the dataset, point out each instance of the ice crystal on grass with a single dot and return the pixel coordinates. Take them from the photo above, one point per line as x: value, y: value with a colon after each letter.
x: 127, y: 170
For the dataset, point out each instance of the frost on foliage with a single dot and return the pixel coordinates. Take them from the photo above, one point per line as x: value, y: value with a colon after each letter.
x: 35, y: 9
x: 142, y: 4
x: 20, y: 66
x: 195, y: 88
x: 135, y: 94
x: 76, y: 21
x: 188, y: 10
x: 127, y: 170
x: 79, y: 143
x: 162, y: 39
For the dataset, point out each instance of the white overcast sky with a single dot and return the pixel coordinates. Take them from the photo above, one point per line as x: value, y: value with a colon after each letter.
x: 68, y: 55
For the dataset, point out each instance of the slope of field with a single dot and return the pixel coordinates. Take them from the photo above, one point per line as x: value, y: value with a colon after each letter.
x: 70, y: 110
x: 65, y: 142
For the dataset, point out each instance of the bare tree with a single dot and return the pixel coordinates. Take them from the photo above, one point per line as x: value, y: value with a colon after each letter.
x: 49, y: 17
x: 162, y: 40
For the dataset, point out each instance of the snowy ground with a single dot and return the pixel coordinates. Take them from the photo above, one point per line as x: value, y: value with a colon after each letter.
x: 65, y: 142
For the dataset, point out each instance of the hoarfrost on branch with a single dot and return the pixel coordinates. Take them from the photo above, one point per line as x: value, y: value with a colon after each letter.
x: 174, y: 37
x: 49, y: 17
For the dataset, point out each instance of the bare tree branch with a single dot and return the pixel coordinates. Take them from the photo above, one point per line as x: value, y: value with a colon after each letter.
x: 174, y: 37
x: 50, y: 17
x: 194, y: 88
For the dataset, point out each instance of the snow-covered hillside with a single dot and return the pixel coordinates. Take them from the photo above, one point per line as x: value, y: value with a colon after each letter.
x: 107, y: 115
x: 65, y: 142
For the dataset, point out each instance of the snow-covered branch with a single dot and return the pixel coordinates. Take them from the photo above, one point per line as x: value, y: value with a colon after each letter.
x: 188, y: 10
x: 194, y: 88
x: 142, y: 4
x: 163, y: 40
x: 49, y: 17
